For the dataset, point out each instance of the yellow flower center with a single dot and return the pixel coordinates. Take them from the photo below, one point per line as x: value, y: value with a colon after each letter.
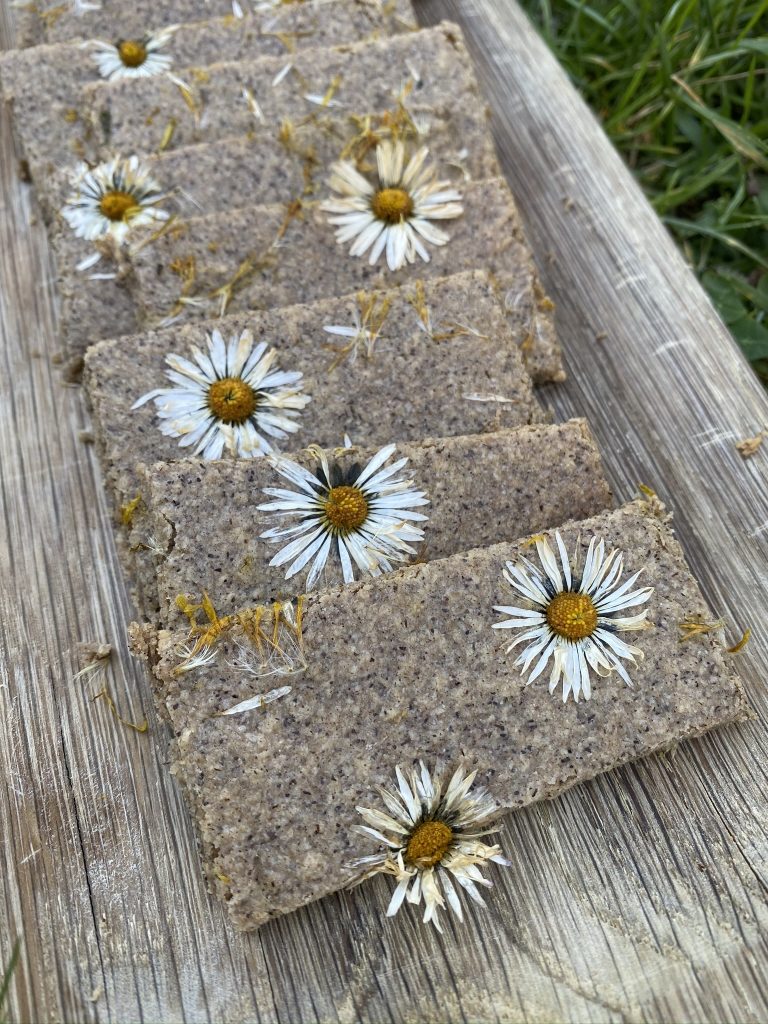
x: 231, y: 400
x: 392, y: 205
x: 428, y: 844
x: 346, y: 509
x: 132, y: 53
x: 118, y: 205
x: 573, y: 616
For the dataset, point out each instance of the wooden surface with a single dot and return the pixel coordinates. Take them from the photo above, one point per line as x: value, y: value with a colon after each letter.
x: 641, y: 896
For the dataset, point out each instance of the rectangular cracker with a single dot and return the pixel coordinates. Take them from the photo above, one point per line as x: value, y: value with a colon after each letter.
x: 430, y: 70
x: 266, y: 250
x: 205, y: 528
x: 58, y: 21
x: 408, y: 667
x: 50, y: 133
x: 411, y: 387
x: 281, y: 164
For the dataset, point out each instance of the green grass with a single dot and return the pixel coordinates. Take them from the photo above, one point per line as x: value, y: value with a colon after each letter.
x: 682, y: 90
x: 5, y: 980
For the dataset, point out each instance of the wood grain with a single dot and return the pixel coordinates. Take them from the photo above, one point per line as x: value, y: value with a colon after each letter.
x: 640, y: 896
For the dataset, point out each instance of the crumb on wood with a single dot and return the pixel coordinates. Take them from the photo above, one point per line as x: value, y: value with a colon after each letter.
x: 92, y: 656
x: 72, y: 370
x: 749, y: 445
x: 142, y: 640
x: 91, y: 651
x: 86, y: 436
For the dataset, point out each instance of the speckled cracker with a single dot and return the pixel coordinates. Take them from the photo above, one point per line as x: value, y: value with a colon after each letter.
x: 429, y: 71
x: 408, y: 667
x: 51, y: 133
x: 264, y: 252
x: 205, y: 527
x: 94, y: 303
x: 55, y: 22
x: 413, y: 386
x: 275, y: 167
x: 296, y: 145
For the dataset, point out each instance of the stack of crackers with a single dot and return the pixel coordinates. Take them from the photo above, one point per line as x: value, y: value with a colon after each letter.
x: 291, y: 691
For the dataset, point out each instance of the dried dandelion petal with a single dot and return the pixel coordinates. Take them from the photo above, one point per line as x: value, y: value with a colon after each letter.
x: 280, y: 853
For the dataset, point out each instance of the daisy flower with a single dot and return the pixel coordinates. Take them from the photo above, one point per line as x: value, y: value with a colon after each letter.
x: 395, y: 214
x: 134, y: 58
x: 571, y: 618
x: 112, y: 198
x: 367, y: 514
x: 228, y: 398
x: 432, y: 839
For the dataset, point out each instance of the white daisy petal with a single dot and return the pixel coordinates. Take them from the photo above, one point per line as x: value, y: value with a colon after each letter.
x: 429, y: 232
x: 407, y: 795
x: 375, y: 463
x: 593, y: 564
x: 306, y: 544
x: 566, y: 565
x: 619, y: 598
x: 548, y: 561
x: 319, y: 563
x: 398, y: 896
x: 529, y: 634
x: 346, y: 563
x: 626, y: 622
x: 379, y: 820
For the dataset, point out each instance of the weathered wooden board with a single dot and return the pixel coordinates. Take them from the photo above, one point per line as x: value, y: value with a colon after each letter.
x: 641, y: 896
